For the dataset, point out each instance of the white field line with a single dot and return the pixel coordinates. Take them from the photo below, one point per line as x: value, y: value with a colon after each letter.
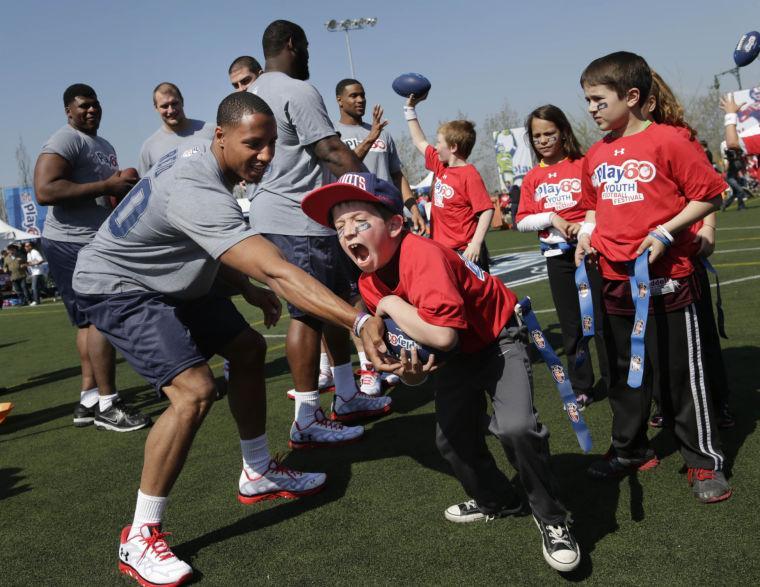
x: 716, y: 251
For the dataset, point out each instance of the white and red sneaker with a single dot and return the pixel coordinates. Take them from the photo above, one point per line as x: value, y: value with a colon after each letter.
x: 147, y: 558
x: 278, y: 481
x: 322, y: 432
x: 369, y: 381
x: 360, y: 406
x: 326, y: 380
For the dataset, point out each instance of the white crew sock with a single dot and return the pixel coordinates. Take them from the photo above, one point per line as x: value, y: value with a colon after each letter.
x: 345, y: 384
x: 256, y: 456
x: 324, y: 363
x: 149, y: 510
x: 363, y: 362
x: 88, y: 397
x: 106, y: 401
x: 307, y: 403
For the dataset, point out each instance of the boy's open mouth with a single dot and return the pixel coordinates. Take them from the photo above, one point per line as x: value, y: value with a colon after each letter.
x: 360, y: 252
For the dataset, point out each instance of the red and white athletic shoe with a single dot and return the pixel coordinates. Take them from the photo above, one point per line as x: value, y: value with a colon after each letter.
x: 147, y: 558
x: 278, y: 481
x: 370, y: 382
x: 322, y: 432
x: 325, y: 379
x: 360, y: 406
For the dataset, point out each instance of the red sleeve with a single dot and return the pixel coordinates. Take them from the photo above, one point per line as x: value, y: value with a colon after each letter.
x: 588, y: 191
x: 692, y: 172
x: 432, y: 290
x: 752, y: 144
x: 432, y: 161
x: 477, y: 192
x: 527, y: 205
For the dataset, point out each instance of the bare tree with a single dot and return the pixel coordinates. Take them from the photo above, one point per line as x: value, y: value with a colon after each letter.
x: 412, y: 162
x: 703, y: 114
x: 484, y: 154
x: 24, y: 164
x: 585, y: 131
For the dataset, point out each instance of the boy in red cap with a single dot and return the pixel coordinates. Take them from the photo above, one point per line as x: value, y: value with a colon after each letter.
x: 447, y: 302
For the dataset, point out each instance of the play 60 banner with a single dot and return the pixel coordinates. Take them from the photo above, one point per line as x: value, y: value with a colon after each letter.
x: 23, y: 211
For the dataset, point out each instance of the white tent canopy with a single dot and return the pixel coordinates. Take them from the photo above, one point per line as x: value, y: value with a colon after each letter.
x: 427, y: 182
x: 9, y: 234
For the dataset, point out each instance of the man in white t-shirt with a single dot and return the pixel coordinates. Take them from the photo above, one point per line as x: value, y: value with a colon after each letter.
x: 34, y: 263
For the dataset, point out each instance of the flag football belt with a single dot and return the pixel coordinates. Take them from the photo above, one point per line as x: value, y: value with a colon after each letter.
x: 562, y: 247
x: 718, y: 300
x: 638, y: 277
x: 557, y: 371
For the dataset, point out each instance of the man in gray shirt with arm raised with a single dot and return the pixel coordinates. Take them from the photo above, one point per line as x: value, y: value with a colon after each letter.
x: 145, y: 281
x: 306, y: 143
x: 75, y: 174
x: 176, y: 129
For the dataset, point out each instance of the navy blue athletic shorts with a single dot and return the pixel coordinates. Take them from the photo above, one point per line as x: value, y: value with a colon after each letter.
x: 320, y: 256
x: 162, y: 336
x: 62, y: 258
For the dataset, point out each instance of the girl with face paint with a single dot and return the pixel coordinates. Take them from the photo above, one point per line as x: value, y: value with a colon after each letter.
x: 550, y: 205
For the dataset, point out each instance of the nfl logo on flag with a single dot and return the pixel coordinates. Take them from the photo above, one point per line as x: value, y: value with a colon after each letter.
x: 538, y: 338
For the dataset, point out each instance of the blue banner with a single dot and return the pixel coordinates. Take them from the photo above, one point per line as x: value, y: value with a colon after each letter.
x: 23, y: 210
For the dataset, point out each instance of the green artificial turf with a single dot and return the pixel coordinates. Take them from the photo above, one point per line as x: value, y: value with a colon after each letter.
x: 65, y: 493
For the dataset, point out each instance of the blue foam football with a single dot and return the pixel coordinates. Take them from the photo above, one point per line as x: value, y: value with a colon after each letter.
x: 747, y: 48
x: 396, y: 339
x: 411, y: 83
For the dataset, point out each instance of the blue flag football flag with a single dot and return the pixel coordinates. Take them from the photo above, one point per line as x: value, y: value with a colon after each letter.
x: 23, y: 210
x: 557, y: 371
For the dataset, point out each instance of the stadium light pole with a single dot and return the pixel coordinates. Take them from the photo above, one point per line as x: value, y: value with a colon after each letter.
x: 733, y: 71
x: 350, y: 24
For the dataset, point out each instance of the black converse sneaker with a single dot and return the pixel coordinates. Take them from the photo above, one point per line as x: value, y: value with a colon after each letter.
x: 121, y: 418
x: 470, y: 512
x: 561, y: 550
x: 84, y: 416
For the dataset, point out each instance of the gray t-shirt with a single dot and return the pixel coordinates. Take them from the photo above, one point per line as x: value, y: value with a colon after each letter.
x: 162, y: 141
x: 167, y: 235
x: 382, y: 158
x: 295, y: 171
x: 92, y: 158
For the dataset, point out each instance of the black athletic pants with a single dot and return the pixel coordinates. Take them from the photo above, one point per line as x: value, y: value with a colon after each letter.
x: 561, y: 271
x: 674, y: 358
x: 502, y: 370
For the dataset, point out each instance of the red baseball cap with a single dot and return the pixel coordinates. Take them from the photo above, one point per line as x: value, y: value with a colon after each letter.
x: 351, y: 187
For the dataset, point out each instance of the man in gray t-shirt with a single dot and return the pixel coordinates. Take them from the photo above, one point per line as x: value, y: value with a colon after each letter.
x: 145, y: 281
x: 76, y: 174
x: 176, y: 129
x: 306, y: 144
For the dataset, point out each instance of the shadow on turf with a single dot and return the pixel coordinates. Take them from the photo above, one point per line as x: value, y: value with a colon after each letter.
x: 412, y: 436
x: 51, y: 377
x: 10, y: 482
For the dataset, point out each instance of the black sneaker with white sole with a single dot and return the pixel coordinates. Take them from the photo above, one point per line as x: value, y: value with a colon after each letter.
x: 121, y: 418
x: 470, y: 512
x: 561, y: 550
x: 84, y: 416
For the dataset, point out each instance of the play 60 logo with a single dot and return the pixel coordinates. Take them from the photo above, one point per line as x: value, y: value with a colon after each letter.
x: 621, y: 182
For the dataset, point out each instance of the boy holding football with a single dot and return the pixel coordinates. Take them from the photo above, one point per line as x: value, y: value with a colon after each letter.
x: 447, y: 302
x: 643, y: 185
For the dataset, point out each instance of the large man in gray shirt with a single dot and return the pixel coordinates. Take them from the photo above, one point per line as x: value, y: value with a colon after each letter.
x: 176, y: 129
x: 306, y: 143
x: 74, y: 175
x: 145, y: 281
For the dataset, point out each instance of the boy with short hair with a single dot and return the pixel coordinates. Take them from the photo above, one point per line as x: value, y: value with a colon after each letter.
x: 643, y: 185
x: 445, y: 301
x: 461, y: 208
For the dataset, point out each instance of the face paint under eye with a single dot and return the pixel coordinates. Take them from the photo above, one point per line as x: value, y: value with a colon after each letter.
x: 601, y: 106
x: 362, y: 226
x: 340, y: 232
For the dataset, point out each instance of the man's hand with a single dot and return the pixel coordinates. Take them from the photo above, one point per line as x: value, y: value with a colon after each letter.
x: 266, y: 300
x: 118, y: 185
x: 412, y: 371
x: 378, y: 124
x: 656, y: 248
x: 706, y: 239
x: 569, y: 230
x: 583, y: 248
x: 374, y: 345
x: 472, y: 252
x: 729, y: 105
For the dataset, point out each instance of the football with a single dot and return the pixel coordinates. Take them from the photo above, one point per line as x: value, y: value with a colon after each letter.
x: 129, y: 172
x: 396, y: 339
x: 411, y: 83
x: 747, y: 48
